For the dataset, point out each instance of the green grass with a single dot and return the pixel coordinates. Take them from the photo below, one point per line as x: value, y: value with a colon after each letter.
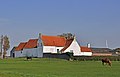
x: 57, y: 68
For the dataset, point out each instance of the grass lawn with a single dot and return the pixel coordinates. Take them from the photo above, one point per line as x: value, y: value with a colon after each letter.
x: 57, y: 68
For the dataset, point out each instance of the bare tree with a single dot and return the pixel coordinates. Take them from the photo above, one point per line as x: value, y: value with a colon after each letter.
x: 6, y: 45
x: 1, y: 45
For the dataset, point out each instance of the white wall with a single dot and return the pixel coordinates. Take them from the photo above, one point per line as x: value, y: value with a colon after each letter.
x: 48, y: 49
x: 74, y: 47
x: 51, y: 49
x: 86, y: 54
x: 59, y: 48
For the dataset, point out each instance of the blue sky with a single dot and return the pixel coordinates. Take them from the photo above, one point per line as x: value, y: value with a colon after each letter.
x: 92, y: 21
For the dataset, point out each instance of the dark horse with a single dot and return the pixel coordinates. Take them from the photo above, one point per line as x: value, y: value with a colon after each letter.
x: 107, y: 61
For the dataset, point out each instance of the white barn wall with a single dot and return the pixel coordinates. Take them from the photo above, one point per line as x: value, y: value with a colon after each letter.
x: 74, y: 47
x: 86, y: 54
x: 51, y: 49
x: 59, y: 48
x: 48, y: 49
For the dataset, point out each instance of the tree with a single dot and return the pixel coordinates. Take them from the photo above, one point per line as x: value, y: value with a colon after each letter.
x: 1, y: 45
x: 67, y: 35
x: 6, y: 45
x: 117, y: 49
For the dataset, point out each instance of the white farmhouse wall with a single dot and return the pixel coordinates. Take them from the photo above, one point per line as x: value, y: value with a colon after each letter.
x: 51, y: 49
x: 48, y: 49
x: 86, y: 54
x: 74, y: 47
x: 18, y: 53
x: 59, y: 48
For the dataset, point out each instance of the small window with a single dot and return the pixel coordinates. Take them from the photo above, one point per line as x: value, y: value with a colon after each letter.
x: 57, y: 50
x: 71, y: 51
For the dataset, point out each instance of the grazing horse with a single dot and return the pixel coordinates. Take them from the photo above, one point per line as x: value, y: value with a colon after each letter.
x: 107, y: 61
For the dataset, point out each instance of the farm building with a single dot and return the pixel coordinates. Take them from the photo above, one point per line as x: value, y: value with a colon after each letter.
x: 29, y: 48
x: 51, y: 44
x: 12, y: 52
x: 86, y: 51
x: 101, y: 52
x: 32, y: 49
x: 19, y: 50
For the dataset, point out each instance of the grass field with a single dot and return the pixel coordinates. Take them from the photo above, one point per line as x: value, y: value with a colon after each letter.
x: 57, y: 68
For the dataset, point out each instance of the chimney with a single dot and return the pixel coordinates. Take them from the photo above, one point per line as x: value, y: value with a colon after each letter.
x: 40, y: 35
x: 89, y: 45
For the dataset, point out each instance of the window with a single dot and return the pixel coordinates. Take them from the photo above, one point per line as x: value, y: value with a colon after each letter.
x: 71, y: 51
x: 57, y: 50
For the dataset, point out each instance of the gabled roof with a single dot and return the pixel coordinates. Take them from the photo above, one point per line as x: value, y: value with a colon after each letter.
x: 68, y: 43
x: 32, y: 43
x: 85, y: 49
x: 53, y: 41
x: 20, y: 46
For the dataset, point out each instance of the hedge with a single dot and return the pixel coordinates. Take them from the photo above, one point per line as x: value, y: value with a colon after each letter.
x: 95, y: 58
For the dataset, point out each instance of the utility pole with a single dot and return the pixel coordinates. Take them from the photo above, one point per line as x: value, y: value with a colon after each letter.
x: 106, y: 44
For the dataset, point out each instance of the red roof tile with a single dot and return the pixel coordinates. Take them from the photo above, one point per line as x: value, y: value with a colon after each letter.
x: 32, y: 43
x: 53, y: 41
x: 20, y: 46
x: 85, y: 49
x: 68, y: 43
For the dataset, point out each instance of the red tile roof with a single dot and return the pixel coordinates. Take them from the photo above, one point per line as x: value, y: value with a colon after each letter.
x: 85, y: 49
x: 68, y: 43
x: 32, y: 43
x: 20, y: 46
x: 53, y: 41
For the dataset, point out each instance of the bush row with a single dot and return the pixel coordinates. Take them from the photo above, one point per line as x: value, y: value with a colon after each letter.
x: 95, y: 58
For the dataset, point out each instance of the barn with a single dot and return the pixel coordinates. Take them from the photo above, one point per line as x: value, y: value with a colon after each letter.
x: 31, y: 49
x: 19, y: 50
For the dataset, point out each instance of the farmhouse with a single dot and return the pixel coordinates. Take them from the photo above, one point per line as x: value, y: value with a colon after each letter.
x: 51, y: 45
